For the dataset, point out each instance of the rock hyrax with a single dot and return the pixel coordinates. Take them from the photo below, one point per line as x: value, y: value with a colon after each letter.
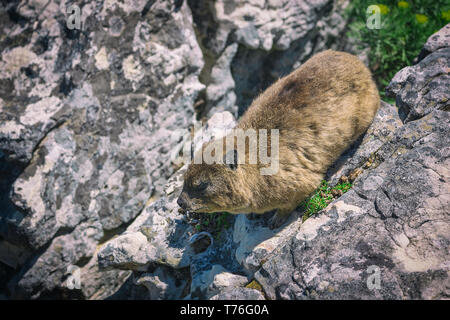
x: 319, y: 110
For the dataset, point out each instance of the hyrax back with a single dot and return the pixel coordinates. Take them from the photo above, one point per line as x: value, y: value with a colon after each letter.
x: 319, y: 110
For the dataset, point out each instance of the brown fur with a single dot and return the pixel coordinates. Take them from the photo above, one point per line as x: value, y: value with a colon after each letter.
x: 319, y: 109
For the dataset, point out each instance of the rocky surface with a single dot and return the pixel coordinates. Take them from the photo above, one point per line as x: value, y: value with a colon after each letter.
x: 94, y: 124
x: 92, y: 120
x: 90, y: 117
x: 419, y: 88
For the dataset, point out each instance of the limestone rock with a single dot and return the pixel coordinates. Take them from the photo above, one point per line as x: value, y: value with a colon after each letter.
x: 89, y: 117
x: 239, y: 293
x: 95, y: 122
x: 423, y: 87
x: 210, y: 282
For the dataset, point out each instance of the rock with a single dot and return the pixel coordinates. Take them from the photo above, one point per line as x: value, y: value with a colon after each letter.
x: 210, y: 282
x: 161, y: 234
x: 12, y: 255
x: 268, y: 25
x: 89, y: 117
x: 220, y: 91
x: 226, y: 280
x: 393, y: 219
x: 161, y: 284
x: 149, y: 240
x: 98, y: 284
x: 256, y: 241
x: 95, y: 136
x: 421, y: 88
x: 58, y: 262
x: 438, y: 40
x: 118, y: 251
x: 239, y: 294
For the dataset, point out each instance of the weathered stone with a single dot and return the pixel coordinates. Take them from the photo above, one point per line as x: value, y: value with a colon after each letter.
x: 438, y: 40
x: 162, y: 284
x: 210, y: 282
x: 423, y: 87
x: 256, y: 241
x: 92, y: 115
x: 94, y: 123
x: 273, y: 37
x: 394, y: 219
x: 161, y: 234
x: 239, y: 293
x: 220, y: 91
x: 46, y: 275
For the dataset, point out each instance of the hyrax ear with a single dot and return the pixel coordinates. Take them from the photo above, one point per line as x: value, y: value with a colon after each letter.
x: 231, y: 159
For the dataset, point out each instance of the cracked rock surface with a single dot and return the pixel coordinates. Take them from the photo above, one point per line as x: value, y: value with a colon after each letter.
x: 92, y: 123
x: 90, y: 118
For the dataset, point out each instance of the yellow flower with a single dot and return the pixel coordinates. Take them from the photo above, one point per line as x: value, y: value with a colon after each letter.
x: 446, y: 15
x: 403, y: 4
x: 421, y: 18
x: 383, y: 8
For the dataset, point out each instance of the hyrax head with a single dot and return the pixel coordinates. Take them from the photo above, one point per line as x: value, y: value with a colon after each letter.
x: 212, y: 187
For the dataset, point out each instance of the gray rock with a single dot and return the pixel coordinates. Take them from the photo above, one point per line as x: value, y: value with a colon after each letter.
x: 220, y: 91
x: 93, y: 128
x: 421, y: 88
x: 92, y: 116
x: 256, y: 241
x: 273, y: 37
x: 239, y: 294
x: 59, y: 262
x: 162, y: 284
x: 394, y: 219
x: 161, y: 234
x: 99, y: 284
x: 438, y: 40
x: 210, y: 282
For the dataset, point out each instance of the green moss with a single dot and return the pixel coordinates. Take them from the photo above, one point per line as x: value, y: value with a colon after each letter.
x: 322, y: 197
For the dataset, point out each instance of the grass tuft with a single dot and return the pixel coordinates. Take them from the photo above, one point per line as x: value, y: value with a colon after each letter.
x: 322, y: 197
x: 214, y: 223
x: 405, y: 27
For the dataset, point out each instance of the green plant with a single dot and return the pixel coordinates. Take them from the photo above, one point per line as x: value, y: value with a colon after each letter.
x: 213, y: 223
x: 405, y: 27
x: 322, y: 197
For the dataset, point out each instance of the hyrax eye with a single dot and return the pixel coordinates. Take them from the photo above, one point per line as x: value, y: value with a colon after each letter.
x: 201, y: 186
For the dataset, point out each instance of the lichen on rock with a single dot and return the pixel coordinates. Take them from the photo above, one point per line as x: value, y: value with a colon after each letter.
x: 93, y: 123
